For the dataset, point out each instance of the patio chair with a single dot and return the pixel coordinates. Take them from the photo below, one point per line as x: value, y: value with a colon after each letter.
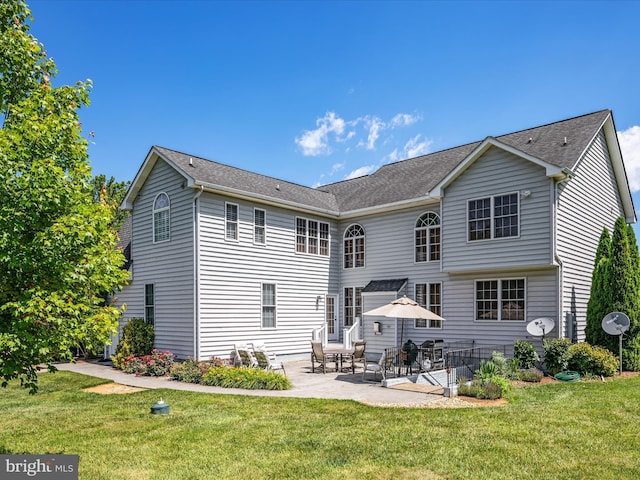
x: 357, y: 357
x: 318, y: 356
x: 244, y: 356
x: 266, y: 360
x: 384, y: 365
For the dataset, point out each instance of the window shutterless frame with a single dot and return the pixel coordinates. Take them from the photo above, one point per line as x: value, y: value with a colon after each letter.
x: 161, y: 218
x: 231, y: 221
x: 493, y: 217
x: 500, y: 300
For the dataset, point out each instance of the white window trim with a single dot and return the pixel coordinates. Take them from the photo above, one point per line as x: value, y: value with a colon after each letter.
x: 428, y: 229
x: 264, y: 227
x: 352, y: 239
x: 493, y: 238
x: 355, y: 305
x: 237, y: 222
x: 275, y: 305
x: 415, y: 296
x: 154, y: 211
x: 499, y: 319
x: 306, y: 237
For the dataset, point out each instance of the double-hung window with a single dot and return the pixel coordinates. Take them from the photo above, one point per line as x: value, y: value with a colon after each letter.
x: 259, y: 226
x: 268, y: 305
x: 231, y: 221
x: 354, y: 247
x: 493, y: 217
x: 161, y: 218
x: 500, y: 300
x: 312, y: 236
x: 429, y: 296
x: 427, y: 238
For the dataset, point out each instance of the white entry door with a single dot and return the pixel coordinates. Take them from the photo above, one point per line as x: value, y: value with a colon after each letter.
x: 331, y: 316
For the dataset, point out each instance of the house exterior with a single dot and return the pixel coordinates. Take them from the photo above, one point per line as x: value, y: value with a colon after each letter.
x: 490, y: 235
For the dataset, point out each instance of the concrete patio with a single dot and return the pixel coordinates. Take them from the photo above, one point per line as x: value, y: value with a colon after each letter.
x: 331, y: 385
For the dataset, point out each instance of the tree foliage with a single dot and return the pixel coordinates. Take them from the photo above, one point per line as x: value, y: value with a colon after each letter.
x: 616, y: 288
x: 112, y: 192
x: 58, y: 251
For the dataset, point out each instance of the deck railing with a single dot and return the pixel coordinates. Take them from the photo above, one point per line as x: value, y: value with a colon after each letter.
x: 463, y: 363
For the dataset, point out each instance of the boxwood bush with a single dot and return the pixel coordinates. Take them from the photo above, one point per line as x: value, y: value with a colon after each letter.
x: 247, y: 378
x: 592, y: 360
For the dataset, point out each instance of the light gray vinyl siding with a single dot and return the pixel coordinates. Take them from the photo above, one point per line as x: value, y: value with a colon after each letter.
x: 389, y: 254
x: 498, y: 173
x: 231, y: 274
x: 586, y: 204
x: 461, y: 325
x: 168, y: 265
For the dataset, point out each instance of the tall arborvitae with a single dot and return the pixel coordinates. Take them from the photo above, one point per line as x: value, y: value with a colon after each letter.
x: 631, y: 355
x: 598, y: 305
x: 621, y: 282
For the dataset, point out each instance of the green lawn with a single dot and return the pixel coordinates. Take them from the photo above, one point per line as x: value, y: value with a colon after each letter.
x: 559, y: 431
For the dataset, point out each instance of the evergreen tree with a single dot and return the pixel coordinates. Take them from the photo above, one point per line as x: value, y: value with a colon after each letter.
x: 598, y: 305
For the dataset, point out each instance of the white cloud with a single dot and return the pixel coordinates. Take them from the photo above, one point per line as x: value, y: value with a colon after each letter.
x: 629, y: 140
x: 375, y: 127
x: 414, y: 147
x: 359, y: 172
x: 630, y: 146
x: 336, y: 167
x: 316, y: 142
x: 404, y: 120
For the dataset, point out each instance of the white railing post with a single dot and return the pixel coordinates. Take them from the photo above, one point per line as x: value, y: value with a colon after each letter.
x: 349, y: 334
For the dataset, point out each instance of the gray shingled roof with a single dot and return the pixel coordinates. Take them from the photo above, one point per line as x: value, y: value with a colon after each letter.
x: 393, y: 285
x: 217, y: 174
x: 400, y: 181
x: 415, y: 177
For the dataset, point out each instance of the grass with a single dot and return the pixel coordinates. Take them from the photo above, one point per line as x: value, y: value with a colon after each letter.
x: 558, y: 431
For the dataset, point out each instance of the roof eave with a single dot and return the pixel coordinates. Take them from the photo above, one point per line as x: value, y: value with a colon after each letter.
x: 390, y: 207
x: 552, y: 171
x: 265, y: 199
x: 619, y: 170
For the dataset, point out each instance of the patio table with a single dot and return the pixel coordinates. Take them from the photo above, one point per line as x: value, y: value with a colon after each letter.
x: 340, y: 354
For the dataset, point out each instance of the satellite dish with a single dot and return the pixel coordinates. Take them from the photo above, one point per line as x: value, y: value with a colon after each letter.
x: 615, y: 323
x: 540, y: 326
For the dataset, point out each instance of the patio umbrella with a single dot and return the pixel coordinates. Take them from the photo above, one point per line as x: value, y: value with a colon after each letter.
x: 403, y: 308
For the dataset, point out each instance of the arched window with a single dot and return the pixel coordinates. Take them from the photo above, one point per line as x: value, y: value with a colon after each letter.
x: 427, y: 237
x: 354, y: 246
x: 161, y: 211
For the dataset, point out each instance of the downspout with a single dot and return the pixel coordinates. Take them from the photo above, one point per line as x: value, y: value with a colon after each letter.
x: 196, y: 274
x: 568, y: 175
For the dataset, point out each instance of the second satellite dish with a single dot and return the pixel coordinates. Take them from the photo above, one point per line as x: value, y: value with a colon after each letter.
x: 540, y: 326
x: 615, y: 323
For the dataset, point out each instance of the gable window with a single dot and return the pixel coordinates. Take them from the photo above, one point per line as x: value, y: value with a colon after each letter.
x: 354, y: 247
x: 429, y: 296
x: 312, y: 237
x: 149, y: 304
x: 161, y: 218
x: 427, y: 238
x: 352, y: 305
x: 268, y: 305
x: 231, y: 221
x: 500, y: 300
x: 259, y: 226
x: 493, y: 217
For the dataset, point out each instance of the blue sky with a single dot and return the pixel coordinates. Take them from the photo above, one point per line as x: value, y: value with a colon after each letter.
x: 315, y: 92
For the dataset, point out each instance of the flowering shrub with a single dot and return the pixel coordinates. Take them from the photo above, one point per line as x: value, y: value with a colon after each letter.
x: 155, y: 365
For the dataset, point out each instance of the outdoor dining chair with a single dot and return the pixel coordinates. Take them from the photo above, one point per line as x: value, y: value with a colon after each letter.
x: 384, y: 365
x: 318, y: 356
x: 358, y: 356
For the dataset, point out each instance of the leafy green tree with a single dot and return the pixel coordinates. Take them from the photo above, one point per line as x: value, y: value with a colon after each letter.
x: 57, y: 247
x: 113, y: 192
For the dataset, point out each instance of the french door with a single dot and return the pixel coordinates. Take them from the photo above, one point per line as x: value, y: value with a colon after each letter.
x: 331, y: 317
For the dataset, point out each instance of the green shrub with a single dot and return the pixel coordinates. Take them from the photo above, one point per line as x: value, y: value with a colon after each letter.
x: 487, y: 371
x: 530, y: 376
x: 490, y: 390
x: 191, y: 370
x: 592, y: 360
x: 556, y: 354
x: 247, y: 378
x: 500, y: 362
x: 137, y: 340
x: 525, y: 354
